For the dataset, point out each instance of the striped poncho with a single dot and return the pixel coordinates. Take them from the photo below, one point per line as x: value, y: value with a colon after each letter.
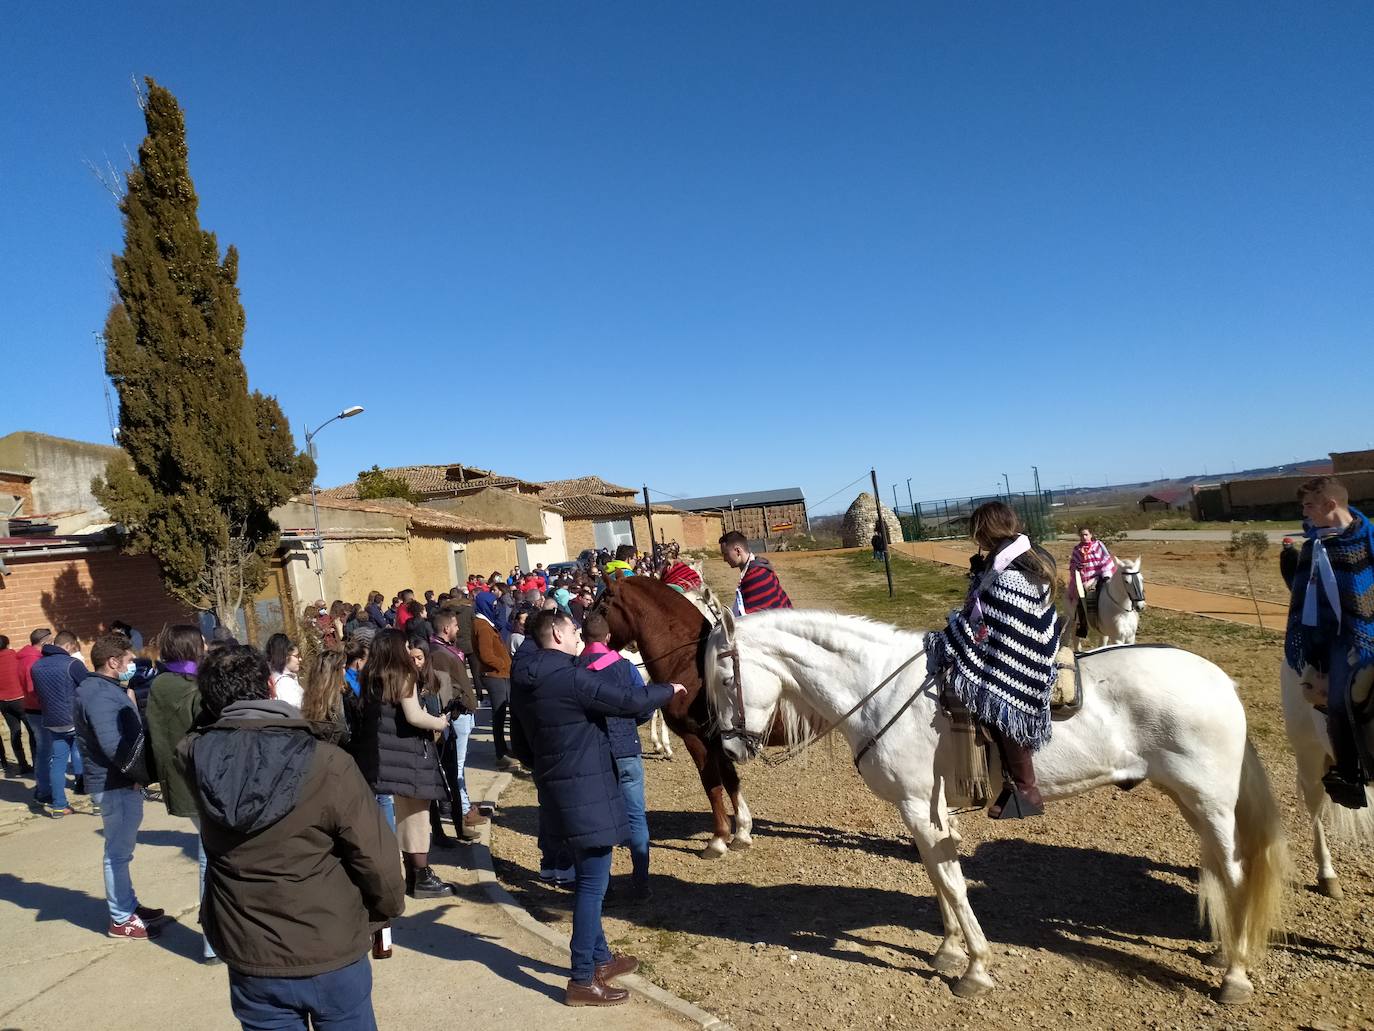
x: 1350, y: 555
x: 1092, y: 562
x: 1002, y: 668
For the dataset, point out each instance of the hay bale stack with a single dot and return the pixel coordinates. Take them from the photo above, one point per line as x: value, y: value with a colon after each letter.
x: 862, y: 520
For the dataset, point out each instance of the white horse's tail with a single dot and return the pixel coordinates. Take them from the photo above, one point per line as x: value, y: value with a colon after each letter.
x: 1351, y: 826
x: 1245, y: 920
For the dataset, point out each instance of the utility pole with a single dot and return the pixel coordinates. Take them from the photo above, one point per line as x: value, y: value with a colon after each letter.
x: 1036, y: 470
x: 882, y: 529
x: 649, y: 515
x: 895, y: 503
x: 1008, y: 483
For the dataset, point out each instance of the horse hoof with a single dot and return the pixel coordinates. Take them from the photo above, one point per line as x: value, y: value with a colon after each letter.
x: 740, y: 842
x: 1235, y: 990
x: 1331, y: 888
x: 1216, y: 959
x: 949, y: 961
x: 970, y: 986
x: 715, y: 848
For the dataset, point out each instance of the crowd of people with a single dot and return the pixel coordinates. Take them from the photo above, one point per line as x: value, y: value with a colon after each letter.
x: 318, y: 760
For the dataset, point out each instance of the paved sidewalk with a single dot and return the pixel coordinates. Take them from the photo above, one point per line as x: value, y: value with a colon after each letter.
x: 459, y: 962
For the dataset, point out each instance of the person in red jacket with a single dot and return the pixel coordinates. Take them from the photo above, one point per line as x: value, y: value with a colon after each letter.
x: 39, y: 744
x: 14, y: 686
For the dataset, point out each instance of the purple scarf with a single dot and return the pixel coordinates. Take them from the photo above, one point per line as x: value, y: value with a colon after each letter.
x: 186, y: 669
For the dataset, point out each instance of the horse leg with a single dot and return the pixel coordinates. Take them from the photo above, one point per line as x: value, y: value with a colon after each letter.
x: 708, y: 759
x: 658, y: 731
x: 744, y: 819
x: 950, y: 957
x: 940, y: 853
x: 1312, y: 764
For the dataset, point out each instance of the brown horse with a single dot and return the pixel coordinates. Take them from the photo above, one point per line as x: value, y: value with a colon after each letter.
x: 671, y: 636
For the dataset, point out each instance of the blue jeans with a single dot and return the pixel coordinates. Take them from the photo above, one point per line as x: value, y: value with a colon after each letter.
x: 461, y: 729
x: 63, y: 749
x: 630, y: 772
x: 588, y: 940
x: 42, y: 758
x: 121, y: 811
x: 388, y: 804
x: 340, y: 1000
x: 206, y: 949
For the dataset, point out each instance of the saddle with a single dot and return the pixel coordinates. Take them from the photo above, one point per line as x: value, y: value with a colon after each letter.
x: 1066, y: 697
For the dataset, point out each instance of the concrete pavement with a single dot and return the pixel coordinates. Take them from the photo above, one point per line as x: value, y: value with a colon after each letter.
x: 457, y: 962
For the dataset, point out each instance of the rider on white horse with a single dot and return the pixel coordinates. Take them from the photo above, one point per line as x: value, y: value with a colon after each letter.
x: 1331, y: 628
x: 998, y: 652
x: 1093, y: 564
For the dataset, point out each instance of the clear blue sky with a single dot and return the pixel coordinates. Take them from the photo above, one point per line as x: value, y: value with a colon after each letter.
x: 724, y: 247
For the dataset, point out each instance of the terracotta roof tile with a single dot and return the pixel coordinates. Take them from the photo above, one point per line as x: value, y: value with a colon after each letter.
x: 580, y: 485
x: 417, y: 516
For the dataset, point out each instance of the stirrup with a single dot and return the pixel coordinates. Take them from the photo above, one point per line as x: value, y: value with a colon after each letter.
x: 1343, y: 791
x: 1012, y: 805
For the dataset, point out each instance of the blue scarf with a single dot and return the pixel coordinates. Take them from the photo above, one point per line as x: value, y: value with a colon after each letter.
x: 1351, y: 555
x: 496, y: 613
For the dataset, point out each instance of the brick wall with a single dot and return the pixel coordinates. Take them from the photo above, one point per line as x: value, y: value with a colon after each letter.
x: 579, y: 534
x: 19, y: 487
x: 82, y: 593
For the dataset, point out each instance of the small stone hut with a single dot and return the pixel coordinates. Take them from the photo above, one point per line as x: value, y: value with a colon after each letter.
x: 861, y: 521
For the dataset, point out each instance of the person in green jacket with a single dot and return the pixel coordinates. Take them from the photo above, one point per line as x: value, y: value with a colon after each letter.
x: 174, y: 706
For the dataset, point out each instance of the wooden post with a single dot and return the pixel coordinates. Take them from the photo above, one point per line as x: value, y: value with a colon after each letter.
x: 649, y: 515
x: 882, y: 529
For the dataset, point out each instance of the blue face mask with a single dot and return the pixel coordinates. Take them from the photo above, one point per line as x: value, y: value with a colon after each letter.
x: 127, y: 673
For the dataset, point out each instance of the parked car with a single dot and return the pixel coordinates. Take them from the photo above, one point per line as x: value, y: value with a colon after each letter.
x: 559, y: 568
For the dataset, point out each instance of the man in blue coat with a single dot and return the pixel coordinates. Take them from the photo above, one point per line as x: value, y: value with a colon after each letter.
x: 55, y: 676
x: 562, y: 710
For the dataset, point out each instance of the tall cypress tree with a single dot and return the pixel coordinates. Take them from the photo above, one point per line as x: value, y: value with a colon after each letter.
x: 209, y: 458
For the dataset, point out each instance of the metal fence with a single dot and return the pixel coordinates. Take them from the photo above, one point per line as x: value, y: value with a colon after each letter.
x: 948, y: 518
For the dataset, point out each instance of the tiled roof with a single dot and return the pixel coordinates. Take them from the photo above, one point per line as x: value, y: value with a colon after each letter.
x: 418, y: 516
x: 436, y: 480
x: 593, y: 505
x: 580, y: 485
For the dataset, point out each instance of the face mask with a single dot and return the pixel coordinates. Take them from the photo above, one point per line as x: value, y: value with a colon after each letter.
x: 322, y: 611
x: 127, y: 673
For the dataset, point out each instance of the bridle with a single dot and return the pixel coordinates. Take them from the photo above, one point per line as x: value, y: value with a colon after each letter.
x: 1134, y: 585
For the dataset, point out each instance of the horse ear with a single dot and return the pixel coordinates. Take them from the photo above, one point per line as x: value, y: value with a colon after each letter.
x: 727, y: 620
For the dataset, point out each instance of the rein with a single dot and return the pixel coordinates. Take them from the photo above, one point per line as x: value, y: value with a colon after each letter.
x: 754, y: 742
x: 1134, y: 588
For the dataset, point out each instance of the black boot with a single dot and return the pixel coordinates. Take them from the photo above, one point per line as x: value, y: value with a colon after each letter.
x: 80, y: 786
x: 426, y: 885
x: 437, y: 833
x: 1020, y: 797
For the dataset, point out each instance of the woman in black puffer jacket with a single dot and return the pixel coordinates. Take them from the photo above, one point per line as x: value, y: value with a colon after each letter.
x: 398, y: 754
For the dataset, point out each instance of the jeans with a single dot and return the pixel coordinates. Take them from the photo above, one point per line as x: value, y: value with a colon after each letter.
x: 42, y: 758
x: 14, y: 719
x: 589, y: 947
x: 63, y: 749
x: 388, y: 804
x: 461, y: 730
x: 630, y: 772
x: 340, y: 1000
x: 207, y: 950
x: 1341, y: 725
x: 121, y: 811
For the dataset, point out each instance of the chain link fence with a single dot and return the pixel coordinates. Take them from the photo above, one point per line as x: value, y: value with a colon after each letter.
x: 948, y: 518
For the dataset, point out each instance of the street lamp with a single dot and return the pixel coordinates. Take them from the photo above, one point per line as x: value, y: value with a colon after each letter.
x: 733, y: 524
x: 1008, y: 483
x: 318, y: 546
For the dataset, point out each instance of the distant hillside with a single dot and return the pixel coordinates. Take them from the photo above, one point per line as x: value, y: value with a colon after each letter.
x: 1124, y: 493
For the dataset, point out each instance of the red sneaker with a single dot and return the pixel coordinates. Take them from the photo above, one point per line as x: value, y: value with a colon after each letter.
x: 132, y: 929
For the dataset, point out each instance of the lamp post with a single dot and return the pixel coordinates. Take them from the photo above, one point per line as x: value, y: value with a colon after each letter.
x: 1008, y: 483
x: 733, y: 524
x: 318, y: 546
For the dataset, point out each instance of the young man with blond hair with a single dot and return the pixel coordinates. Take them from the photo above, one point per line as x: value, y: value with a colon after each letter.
x: 1331, y: 628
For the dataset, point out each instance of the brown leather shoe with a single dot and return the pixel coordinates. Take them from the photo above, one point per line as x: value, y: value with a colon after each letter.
x: 473, y: 818
x: 598, y: 993
x: 618, y: 965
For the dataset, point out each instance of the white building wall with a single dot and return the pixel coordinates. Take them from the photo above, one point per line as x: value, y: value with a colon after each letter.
x: 556, y: 550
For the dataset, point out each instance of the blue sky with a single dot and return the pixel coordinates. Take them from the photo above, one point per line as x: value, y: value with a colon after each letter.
x: 725, y: 247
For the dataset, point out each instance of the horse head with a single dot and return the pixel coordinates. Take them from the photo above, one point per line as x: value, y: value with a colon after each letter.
x: 1129, y: 569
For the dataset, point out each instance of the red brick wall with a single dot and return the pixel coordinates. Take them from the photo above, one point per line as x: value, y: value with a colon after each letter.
x: 19, y: 487
x: 82, y: 593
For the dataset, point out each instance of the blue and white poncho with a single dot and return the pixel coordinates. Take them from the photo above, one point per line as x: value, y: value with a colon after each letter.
x: 1002, y: 665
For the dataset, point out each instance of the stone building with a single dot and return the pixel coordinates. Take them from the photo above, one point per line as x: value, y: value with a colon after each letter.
x: 761, y: 515
x: 861, y: 520
x: 60, y: 471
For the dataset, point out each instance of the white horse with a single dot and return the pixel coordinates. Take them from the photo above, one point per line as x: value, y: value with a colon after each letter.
x: 1312, y: 749
x: 1150, y: 713
x: 1120, y: 603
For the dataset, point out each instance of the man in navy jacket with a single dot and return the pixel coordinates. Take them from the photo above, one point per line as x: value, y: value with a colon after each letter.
x: 55, y: 676
x: 562, y: 710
